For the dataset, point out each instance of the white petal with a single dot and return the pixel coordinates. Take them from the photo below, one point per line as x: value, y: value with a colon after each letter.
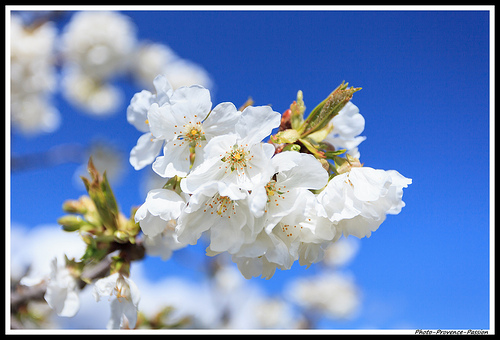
x: 222, y: 120
x: 152, y: 225
x: 145, y: 152
x: 256, y: 123
x: 191, y: 103
x: 307, y: 171
x: 163, y: 89
x: 137, y: 111
x: 218, y: 146
x: 175, y: 160
x: 162, y: 122
x: 105, y: 286
x: 369, y: 184
x: 115, y: 320
x: 349, y: 122
x: 165, y: 203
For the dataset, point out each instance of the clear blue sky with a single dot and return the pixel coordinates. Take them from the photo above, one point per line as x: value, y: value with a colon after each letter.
x: 425, y: 77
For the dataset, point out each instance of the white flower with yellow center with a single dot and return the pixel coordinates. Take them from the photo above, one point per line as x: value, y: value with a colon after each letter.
x: 240, y: 158
x: 227, y: 217
x: 186, y: 123
x: 125, y: 300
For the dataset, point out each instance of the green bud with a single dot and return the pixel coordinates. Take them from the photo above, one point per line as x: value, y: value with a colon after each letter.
x: 297, y: 111
x: 74, y: 207
x: 322, y: 114
x: 71, y: 222
x: 292, y: 147
x: 121, y: 236
x: 101, y: 194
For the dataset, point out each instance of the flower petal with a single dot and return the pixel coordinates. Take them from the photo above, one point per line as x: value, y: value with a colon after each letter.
x: 256, y: 123
x: 175, y: 160
x: 145, y: 152
x: 221, y: 120
x: 191, y: 103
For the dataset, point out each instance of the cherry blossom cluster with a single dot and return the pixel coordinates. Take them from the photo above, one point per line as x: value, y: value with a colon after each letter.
x: 268, y: 200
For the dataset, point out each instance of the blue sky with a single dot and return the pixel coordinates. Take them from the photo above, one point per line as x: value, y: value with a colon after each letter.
x: 425, y: 78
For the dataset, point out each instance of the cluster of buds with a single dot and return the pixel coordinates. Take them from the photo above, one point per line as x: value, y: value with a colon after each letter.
x: 103, y: 228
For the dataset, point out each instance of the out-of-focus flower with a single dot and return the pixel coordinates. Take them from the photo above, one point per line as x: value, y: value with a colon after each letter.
x: 152, y: 59
x: 96, y: 46
x: 93, y: 95
x: 341, y: 252
x: 32, y: 77
x: 42, y: 245
x: 62, y: 291
x: 99, y: 43
x: 125, y: 299
x: 334, y: 294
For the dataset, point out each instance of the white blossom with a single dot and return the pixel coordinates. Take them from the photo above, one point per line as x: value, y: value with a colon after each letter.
x: 165, y: 243
x: 161, y: 206
x: 359, y: 200
x: 301, y: 236
x: 239, y: 158
x: 62, y: 293
x: 125, y: 297
x: 187, y: 122
x: 225, y: 212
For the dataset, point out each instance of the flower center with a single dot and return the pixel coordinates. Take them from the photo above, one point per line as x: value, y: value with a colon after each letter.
x: 221, y: 205
x: 275, y: 193
x: 237, y: 158
x: 122, y: 289
x: 193, y: 132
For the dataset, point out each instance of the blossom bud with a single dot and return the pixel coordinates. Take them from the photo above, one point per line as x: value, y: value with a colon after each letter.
x: 297, y: 110
x: 322, y: 114
x: 74, y: 207
x: 71, y: 222
x: 286, y: 136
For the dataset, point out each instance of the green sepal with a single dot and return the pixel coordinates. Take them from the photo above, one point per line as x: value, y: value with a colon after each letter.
x: 285, y: 136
